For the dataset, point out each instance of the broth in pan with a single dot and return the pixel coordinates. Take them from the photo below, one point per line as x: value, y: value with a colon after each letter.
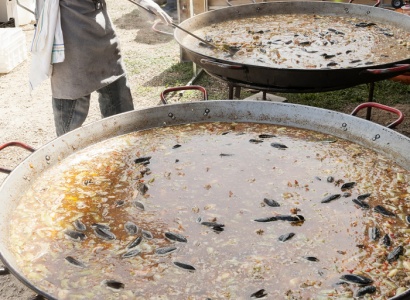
x: 304, y: 41
x: 217, y: 211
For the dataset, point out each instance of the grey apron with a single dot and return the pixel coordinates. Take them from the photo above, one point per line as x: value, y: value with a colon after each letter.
x: 92, y: 54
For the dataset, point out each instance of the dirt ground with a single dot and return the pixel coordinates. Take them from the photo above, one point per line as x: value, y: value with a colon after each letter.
x: 28, y: 118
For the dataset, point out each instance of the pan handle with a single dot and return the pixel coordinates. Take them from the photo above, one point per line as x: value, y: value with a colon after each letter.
x: 383, y: 107
x: 221, y: 65
x: 376, y: 5
x: 183, y: 88
x: 230, y: 4
x: 397, y: 68
x: 17, y: 144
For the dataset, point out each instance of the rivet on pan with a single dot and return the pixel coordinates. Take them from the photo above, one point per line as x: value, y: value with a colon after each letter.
x: 207, y: 111
x: 376, y: 137
x: 48, y: 157
x: 4, y: 271
x: 368, y: 12
x: 171, y: 115
x: 346, y: 10
x: 344, y: 125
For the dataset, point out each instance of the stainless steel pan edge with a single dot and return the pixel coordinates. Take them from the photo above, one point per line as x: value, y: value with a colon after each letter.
x: 381, y: 139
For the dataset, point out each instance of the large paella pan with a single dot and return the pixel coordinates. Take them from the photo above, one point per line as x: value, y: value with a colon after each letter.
x: 214, y: 199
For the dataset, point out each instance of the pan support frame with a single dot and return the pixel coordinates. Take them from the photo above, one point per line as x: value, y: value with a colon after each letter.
x: 234, y: 90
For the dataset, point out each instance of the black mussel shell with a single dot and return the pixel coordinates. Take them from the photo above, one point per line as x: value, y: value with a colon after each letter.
x: 104, y: 234
x: 225, y: 154
x: 386, y: 240
x: 266, y: 136
x: 370, y: 289
x: 139, y: 205
x: 165, y: 250
x: 374, y: 233
x: 383, y: 211
x: 75, y: 235
x: 363, y: 196
x: 78, y: 225
x: 266, y: 219
x: 361, y: 203
x: 212, y: 224
x: 278, y: 145
x: 146, y: 234
x: 358, y: 279
x: 141, y: 160
x: 184, y: 266
x: 131, y: 253
x: 75, y: 262
x: 114, y: 284
x: 348, y: 185
x: 101, y: 226
x: 131, y: 228
x: 311, y: 258
x: 330, y: 198
x: 290, y: 218
x: 271, y: 202
x: 217, y: 227
x: 364, y: 24
x: 142, y: 188
x: 135, y: 242
x: 395, y: 254
x: 175, y: 237
x: 285, y: 237
x: 259, y: 294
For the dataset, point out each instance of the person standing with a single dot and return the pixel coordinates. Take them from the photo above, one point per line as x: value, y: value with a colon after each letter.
x: 91, y: 61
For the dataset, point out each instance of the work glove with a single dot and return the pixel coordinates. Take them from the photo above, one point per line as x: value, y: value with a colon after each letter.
x: 156, y: 9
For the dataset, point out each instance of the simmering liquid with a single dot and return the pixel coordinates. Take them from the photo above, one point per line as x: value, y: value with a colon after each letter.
x: 217, y: 211
x: 299, y: 41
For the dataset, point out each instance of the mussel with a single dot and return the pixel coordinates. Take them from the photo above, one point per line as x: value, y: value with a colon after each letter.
x: 271, y: 202
x: 165, y: 250
x: 383, y: 211
x: 358, y: 279
x: 175, y: 237
x: 184, y: 266
x: 75, y: 262
x: 395, y: 254
x: 285, y: 237
x: 330, y: 198
x: 75, y: 235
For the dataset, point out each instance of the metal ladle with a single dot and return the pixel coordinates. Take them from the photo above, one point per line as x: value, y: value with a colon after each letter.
x: 230, y: 49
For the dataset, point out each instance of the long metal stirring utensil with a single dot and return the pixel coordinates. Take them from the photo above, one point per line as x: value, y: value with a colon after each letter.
x: 231, y: 51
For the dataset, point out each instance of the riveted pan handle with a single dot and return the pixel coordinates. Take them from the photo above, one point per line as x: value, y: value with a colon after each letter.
x: 183, y: 88
x: 221, y: 65
x: 383, y: 107
x: 397, y: 68
x: 17, y: 144
x: 230, y: 4
x: 376, y: 5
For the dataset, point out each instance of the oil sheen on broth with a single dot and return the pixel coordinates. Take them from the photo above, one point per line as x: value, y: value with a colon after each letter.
x: 218, y: 211
x: 303, y: 41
